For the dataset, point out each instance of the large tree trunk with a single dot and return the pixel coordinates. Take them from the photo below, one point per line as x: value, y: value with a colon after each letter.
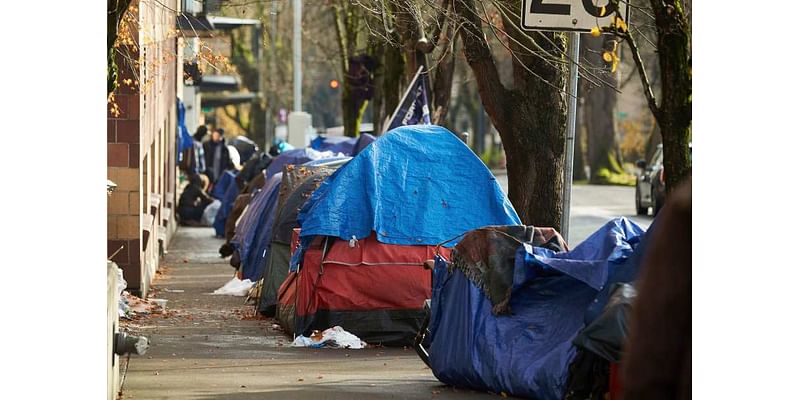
x: 393, y: 80
x: 603, y: 154
x: 675, y: 113
x: 443, y: 86
x: 377, y: 49
x: 530, y: 118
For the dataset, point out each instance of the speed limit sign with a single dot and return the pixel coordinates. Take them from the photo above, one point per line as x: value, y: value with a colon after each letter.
x: 571, y: 15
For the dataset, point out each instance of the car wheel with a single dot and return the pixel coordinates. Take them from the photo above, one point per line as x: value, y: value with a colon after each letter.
x: 639, y: 209
x: 657, y: 203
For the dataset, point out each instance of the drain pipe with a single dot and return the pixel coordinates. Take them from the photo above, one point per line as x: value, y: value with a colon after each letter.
x: 130, y: 344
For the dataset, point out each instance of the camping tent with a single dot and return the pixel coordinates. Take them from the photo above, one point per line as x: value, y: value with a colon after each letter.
x: 509, y: 327
x: 253, y: 266
x: 299, y: 183
x: 259, y: 213
x: 342, y: 144
x: 413, y: 188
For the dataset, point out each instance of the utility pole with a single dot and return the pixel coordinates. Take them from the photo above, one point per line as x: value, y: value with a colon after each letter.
x: 299, y: 121
x: 297, y: 49
x: 572, y: 106
x: 273, y: 69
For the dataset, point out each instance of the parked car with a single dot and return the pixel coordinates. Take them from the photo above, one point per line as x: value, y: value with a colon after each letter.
x: 650, y: 188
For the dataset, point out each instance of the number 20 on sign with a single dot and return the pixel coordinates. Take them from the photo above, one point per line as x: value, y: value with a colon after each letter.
x: 571, y: 15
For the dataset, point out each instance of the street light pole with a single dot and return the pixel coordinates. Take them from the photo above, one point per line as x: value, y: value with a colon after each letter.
x: 572, y: 107
x: 297, y: 50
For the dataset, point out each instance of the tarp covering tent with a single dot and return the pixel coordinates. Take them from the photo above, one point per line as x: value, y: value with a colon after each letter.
x: 342, y: 144
x: 364, y: 140
x: 410, y: 175
x: 225, y: 209
x: 257, y: 212
x: 527, y: 348
x: 336, y: 144
x: 300, y: 182
x: 251, y: 242
x: 415, y: 186
x: 297, y: 157
x: 260, y: 228
x: 221, y: 186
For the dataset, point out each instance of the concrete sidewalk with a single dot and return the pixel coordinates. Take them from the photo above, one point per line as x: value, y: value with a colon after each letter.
x: 206, y: 347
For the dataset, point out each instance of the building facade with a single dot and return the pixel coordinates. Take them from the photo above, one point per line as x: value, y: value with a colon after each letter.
x: 142, y: 142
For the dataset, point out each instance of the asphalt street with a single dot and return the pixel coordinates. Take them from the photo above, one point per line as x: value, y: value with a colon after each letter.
x: 593, y: 206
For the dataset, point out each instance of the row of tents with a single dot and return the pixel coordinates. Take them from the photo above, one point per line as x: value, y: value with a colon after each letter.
x: 339, y: 234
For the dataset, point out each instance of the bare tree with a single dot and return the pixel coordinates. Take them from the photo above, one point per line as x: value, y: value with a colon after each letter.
x: 673, y: 111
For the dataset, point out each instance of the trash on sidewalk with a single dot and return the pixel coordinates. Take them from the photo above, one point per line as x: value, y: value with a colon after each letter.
x: 335, y: 338
x: 235, y: 287
x: 123, y: 309
x: 210, y: 213
x: 134, y: 306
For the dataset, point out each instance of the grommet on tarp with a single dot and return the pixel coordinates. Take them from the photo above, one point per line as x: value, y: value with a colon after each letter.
x: 353, y: 241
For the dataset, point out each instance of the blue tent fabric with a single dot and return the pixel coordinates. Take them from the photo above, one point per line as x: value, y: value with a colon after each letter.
x: 227, y: 178
x: 185, y: 140
x: 225, y: 209
x: 415, y: 185
x: 260, y: 231
x: 247, y: 228
x: 528, y: 352
x: 297, y: 157
x: 328, y: 160
x: 336, y: 144
x: 364, y: 140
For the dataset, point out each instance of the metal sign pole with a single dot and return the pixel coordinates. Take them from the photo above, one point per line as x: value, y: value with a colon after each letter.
x: 297, y: 43
x: 569, y: 153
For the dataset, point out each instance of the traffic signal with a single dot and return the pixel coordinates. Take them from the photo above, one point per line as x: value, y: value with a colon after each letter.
x: 334, y: 84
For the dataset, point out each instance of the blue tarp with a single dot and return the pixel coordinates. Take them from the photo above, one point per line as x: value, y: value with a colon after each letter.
x: 296, y: 157
x: 246, y: 229
x: 219, y: 189
x: 528, y: 352
x: 364, y: 140
x: 225, y: 209
x: 336, y: 144
x: 414, y: 185
x: 185, y: 140
x: 260, y: 229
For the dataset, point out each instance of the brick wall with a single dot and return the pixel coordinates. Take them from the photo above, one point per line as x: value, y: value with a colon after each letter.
x: 141, y: 147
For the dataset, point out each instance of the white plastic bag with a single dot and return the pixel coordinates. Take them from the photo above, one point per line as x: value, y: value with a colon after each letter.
x: 235, y: 287
x: 210, y: 213
x: 335, y: 337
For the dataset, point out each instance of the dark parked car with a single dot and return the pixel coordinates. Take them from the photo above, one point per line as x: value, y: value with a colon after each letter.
x: 650, y: 188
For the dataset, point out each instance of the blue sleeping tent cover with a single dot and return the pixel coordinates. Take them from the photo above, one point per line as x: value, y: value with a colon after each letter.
x: 221, y: 186
x: 415, y: 185
x: 225, y: 208
x: 257, y: 212
x: 528, y: 352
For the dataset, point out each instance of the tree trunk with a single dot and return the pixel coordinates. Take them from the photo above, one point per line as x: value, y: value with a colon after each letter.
x: 530, y: 118
x: 675, y: 112
x: 393, y: 80
x: 377, y: 49
x: 603, y: 154
x: 443, y: 86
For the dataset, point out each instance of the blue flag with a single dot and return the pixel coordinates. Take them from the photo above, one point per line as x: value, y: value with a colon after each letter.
x: 413, y: 109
